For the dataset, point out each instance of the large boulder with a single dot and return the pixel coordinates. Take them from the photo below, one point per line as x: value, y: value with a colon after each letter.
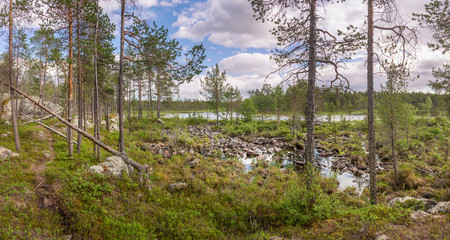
x: 6, y: 153
x: 112, y: 165
x: 425, y: 203
x: 25, y: 106
x: 441, y: 207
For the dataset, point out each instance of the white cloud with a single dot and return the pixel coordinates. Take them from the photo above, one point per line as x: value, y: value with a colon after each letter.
x: 248, y: 63
x: 228, y: 23
x: 172, y: 3
x: 247, y: 71
x: 146, y: 3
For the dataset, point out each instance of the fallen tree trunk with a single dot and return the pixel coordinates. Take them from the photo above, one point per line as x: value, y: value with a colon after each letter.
x: 34, y: 120
x: 109, y: 149
x: 47, y: 127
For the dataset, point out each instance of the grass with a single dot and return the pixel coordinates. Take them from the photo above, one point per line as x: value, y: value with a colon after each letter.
x: 221, y: 200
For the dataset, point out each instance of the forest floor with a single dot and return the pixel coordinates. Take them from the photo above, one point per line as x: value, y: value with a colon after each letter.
x: 45, y: 194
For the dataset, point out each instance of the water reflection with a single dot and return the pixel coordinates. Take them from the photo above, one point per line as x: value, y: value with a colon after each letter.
x: 345, y: 179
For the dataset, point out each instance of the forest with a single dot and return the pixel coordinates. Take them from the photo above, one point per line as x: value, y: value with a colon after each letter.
x: 99, y: 141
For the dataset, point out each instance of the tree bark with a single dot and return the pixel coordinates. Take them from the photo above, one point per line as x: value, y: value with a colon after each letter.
x: 140, y: 116
x: 96, y: 104
x: 370, y: 107
x: 11, y: 80
x: 310, y: 110
x: 80, y: 94
x: 121, y: 146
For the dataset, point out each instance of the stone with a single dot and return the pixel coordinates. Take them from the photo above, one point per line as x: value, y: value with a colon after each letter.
x: 6, y: 153
x: 276, y: 158
x: 428, y: 203
x: 261, y: 157
x: 326, y: 154
x: 252, y: 153
x: 165, y: 153
x: 112, y: 165
x: 178, y: 186
x: 96, y: 169
x: 382, y: 237
x: 41, y: 135
x: 194, y: 163
x: 419, y: 214
x: 113, y: 127
x: 47, y: 154
x: 441, y: 207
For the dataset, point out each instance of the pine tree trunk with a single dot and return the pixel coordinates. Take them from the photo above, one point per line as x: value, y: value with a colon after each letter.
x: 43, y: 80
x: 370, y: 107
x: 150, y: 104
x: 217, y: 111
x: 11, y: 81
x: 129, y: 99
x: 80, y: 96
x: 140, y: 116
x: 70, y: 83
x: 158, y: 95
x: 310, y: 110
x: 96, y: 115
x: 121, y: 97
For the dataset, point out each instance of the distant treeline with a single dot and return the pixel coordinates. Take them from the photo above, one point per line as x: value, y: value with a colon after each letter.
x: 292, y: 99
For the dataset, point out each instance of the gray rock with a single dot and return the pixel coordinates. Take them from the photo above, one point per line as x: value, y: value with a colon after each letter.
x: 178, y: 186
x: 428, y: 203
x: 419, y: 214
x: 113, y: 127
x: 382, y: 237
x: 6, y: 153
x: 262, y: 157
x: 441, y: 207
x: 112, y: 165
x: 194, y: 163
x: 96, y: 169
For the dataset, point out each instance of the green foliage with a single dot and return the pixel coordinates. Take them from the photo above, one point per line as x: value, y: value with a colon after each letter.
x: 248, y: 109
x: 412, y: 204
x: 298, y: 208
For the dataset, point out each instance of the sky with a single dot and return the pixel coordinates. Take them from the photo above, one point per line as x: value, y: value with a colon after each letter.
x: 242, y: 46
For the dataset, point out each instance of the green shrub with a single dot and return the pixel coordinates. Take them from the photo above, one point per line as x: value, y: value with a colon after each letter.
x: 298, y: 209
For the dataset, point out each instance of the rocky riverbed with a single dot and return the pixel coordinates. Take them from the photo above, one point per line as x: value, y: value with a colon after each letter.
x: 252, y: 151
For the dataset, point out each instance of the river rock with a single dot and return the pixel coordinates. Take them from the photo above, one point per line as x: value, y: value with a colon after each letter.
x: 112, y: 165
x: 262, y: 157
x: 326, y: 154
x: 6, y: 153
x: 251, y: 153
x: 441, y: 207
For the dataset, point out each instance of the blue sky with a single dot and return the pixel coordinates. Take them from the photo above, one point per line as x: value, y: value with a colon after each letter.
x: 242, y: 46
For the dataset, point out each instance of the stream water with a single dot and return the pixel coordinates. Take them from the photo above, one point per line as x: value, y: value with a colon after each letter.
x: 345, y: 179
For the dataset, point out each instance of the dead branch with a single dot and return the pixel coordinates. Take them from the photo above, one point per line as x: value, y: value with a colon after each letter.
x: 48, y: 127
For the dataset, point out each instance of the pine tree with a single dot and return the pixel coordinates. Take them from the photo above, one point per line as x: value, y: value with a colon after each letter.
x: 214, y: 86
